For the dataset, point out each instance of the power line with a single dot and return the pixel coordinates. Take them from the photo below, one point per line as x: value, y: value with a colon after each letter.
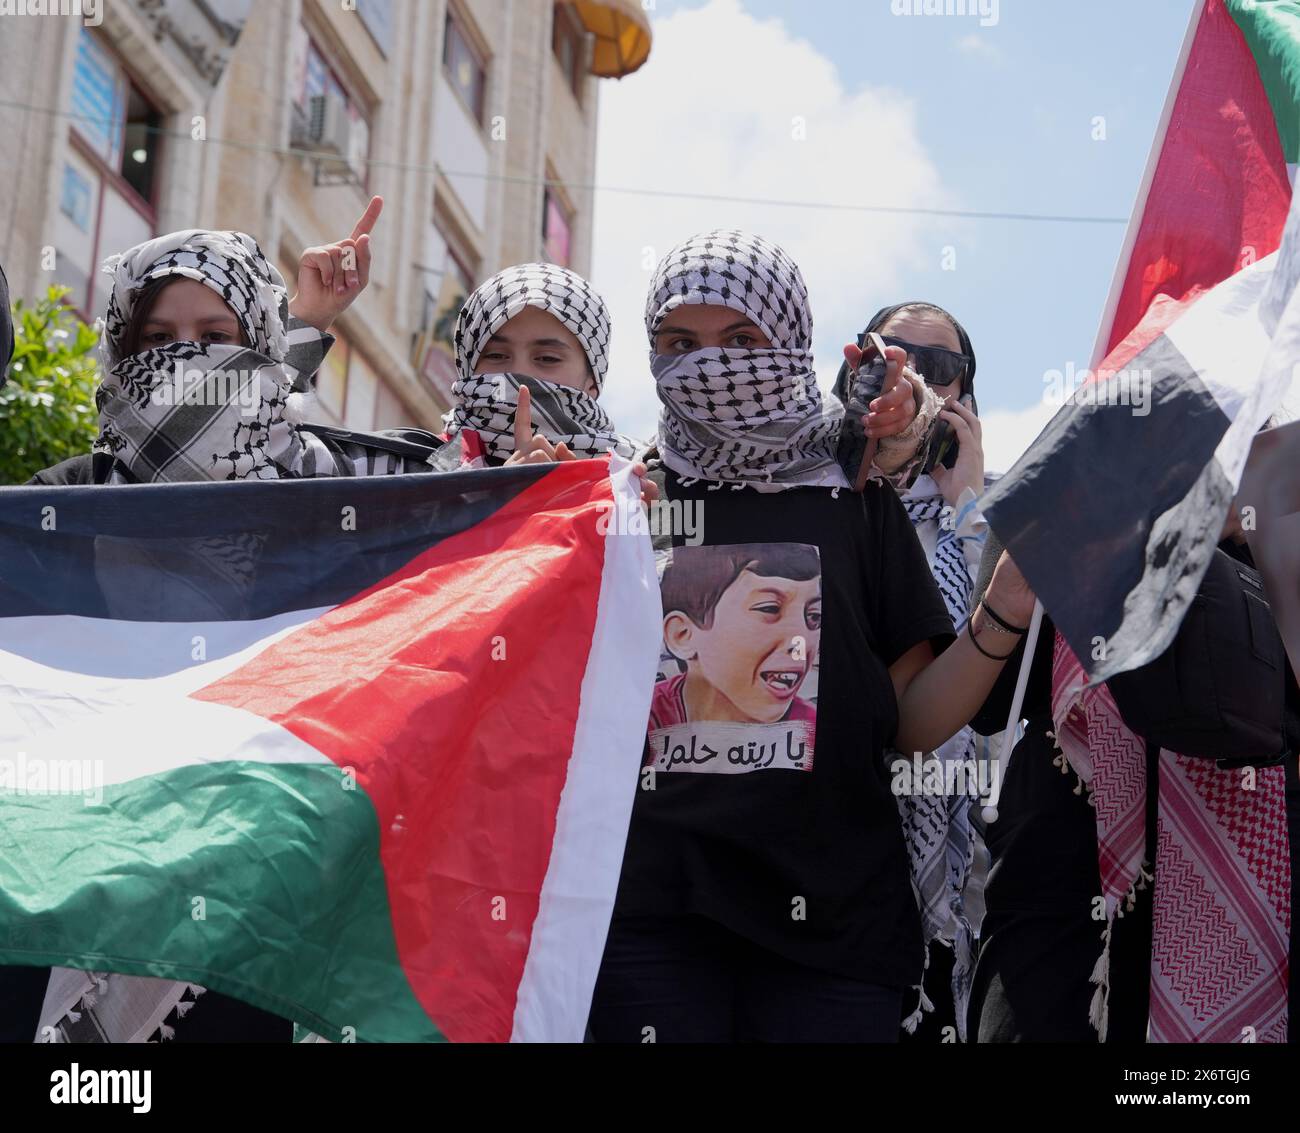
x: 623, y: 190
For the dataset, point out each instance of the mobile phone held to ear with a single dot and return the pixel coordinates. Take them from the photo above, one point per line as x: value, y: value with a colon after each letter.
x: 944, y: 448
x: 856, y: 450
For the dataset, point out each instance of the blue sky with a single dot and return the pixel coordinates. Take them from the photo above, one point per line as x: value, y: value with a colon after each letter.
x: 997, y: 118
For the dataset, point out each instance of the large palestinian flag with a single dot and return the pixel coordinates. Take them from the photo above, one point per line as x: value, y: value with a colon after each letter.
x: 1112, y: 514
x: 362, y: 753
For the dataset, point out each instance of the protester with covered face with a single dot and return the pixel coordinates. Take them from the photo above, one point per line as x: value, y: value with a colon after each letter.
x: 532, y: 350
x: 765, y: 891
x: 208, y: 364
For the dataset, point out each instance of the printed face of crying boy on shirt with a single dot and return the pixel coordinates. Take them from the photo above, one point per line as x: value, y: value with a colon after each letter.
x: 742, y: 629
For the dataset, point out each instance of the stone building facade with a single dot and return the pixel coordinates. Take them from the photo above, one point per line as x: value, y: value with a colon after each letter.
x: 474, y: 119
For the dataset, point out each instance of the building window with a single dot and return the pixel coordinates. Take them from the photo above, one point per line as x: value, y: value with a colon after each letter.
x: 75, y: 202
x: 567, y: 41
x: 313, y: 76
x: 557, y: 229
x: 140, y: 148
x: 465, y: 68
x: 114, y: 118
x: 448, y: 281
x: 109, y: 179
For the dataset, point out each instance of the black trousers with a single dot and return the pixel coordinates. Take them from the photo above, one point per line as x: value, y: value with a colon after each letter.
x: 688, y: 980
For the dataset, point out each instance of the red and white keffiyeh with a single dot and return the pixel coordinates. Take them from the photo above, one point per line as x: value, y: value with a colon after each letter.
x: 1222, y: 907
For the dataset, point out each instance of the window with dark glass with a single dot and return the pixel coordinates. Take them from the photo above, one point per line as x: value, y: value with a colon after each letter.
x: 465, y: 68
x: 114, y: 118
x: 140, y: 148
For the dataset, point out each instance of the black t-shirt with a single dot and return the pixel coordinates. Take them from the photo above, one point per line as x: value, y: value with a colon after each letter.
x: 770, y: 811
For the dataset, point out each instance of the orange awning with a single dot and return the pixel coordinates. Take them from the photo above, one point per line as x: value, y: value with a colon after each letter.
x: 622, y: 32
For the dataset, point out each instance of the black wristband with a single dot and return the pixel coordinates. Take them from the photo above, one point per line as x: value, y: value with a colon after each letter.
x: 1006, y: 625
x: 971, y: 634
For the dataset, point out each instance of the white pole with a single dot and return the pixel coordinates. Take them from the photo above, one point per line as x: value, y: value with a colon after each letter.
x: 990, y: 810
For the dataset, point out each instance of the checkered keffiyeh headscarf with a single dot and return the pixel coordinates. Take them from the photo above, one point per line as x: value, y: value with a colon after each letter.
x: 193, y: 411
x: 230, y: 263
x: 486, y: 403
x: 742, y: 417
x: 549, y: 288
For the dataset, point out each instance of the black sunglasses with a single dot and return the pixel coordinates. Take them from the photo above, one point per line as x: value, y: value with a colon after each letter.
x: 937, y: 366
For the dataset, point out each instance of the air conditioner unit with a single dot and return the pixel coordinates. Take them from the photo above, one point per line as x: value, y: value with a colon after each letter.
x: 323, y: 127
x: 300, y: 128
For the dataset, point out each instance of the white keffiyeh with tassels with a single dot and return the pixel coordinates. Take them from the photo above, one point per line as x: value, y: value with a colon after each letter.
x: 230, y: 263
x: 199, y: 411
x: 193, y: 411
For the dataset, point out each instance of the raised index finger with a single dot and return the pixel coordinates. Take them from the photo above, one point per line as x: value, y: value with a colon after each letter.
x: 368, y: 218
x: 523, y: 420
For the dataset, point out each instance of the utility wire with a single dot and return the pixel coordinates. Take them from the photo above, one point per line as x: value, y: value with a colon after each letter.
x: 623, y: 190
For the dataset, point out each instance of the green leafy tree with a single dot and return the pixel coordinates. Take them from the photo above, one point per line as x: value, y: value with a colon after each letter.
x: 47, y: 409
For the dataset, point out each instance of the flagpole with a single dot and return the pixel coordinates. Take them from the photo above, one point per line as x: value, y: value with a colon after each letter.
x: 1101, y: 346
x: 990, y: 810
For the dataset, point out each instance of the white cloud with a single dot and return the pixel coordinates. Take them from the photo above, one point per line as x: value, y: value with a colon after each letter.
x: 979, y: 46
x: 714, y: 111
x: 1008, y: 432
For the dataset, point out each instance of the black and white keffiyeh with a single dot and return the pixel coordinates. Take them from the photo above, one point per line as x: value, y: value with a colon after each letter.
x: 191, y: 411
x: 194, y: 411
x: 486, y: 403
x: 230, y: 263
x: 936, y: 825
x: 555, y: 290
x: 742, y: 417
x: 948, y: 564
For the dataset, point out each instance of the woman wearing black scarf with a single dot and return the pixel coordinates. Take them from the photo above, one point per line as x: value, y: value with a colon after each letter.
x: 939, y: 490
x: 940, y: 350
